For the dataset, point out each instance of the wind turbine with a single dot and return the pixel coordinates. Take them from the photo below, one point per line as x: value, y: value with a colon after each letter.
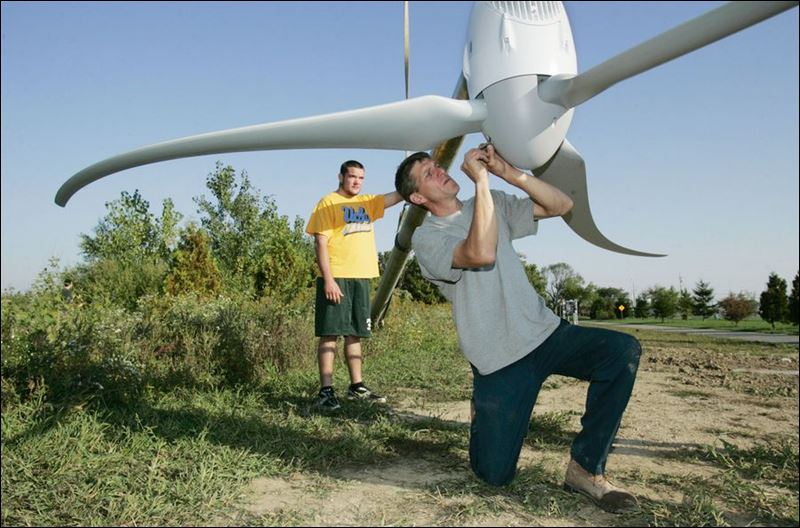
x: 519, y: 87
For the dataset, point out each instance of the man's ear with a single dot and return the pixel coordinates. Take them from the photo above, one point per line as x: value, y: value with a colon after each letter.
x: 341, y: 179
x: 417, y: 199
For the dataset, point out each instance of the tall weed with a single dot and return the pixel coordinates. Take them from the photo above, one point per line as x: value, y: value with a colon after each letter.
x: 103, y: 351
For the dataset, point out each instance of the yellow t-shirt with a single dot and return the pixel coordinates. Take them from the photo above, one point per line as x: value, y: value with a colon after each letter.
x: 347, y: 222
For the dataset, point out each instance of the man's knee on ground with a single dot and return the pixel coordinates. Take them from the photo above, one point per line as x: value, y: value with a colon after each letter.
x: 492, y: 474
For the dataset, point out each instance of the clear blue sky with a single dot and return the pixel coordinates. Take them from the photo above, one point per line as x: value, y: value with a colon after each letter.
x: 697, y: 158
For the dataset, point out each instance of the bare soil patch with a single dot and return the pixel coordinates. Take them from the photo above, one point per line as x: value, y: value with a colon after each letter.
x: 686, y: 397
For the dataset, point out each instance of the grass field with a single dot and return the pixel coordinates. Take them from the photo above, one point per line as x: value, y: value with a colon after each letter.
x: 755, y: 324
x: 263, y: 455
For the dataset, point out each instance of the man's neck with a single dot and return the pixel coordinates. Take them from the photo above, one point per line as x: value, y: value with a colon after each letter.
x: 446, y: 208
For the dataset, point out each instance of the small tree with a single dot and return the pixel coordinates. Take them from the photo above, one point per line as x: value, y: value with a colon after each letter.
x: 664, y: 302
x: 562, y: 281
x: 794, y: 300
x: 622, y: 299
x: 536, y: 279
x: 773, y: 305
x: 703, y: 298
x: 587, y: 297
x: 736, y: 307
x: 685, y: 304
x: 642, y: 309
x: 129, y: 253
x: 130, y: 232
x: 257, y: 249
x: 606, y: 303
x: 193, y: 268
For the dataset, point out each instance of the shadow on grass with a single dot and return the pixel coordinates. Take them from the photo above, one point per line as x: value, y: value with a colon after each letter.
x: 286, y: 427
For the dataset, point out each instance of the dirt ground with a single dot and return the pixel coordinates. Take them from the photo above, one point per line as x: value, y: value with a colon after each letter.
x: 683, y: 399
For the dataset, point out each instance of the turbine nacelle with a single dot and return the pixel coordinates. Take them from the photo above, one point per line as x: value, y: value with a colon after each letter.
x: 511, y: 47
x: 512, y: 39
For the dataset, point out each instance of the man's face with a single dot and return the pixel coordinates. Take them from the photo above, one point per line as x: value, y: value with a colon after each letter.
x: 433, y: 183
x: 351, y: 181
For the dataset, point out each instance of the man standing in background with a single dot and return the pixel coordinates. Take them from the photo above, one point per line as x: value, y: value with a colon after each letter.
x: 341, y: 224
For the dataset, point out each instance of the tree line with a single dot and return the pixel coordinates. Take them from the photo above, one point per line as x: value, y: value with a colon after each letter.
x: 243, y: 246
x: 558, y: 283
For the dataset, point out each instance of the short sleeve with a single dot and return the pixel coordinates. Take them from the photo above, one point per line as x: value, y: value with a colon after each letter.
x: 322, y: 220
x: 377, y: 206
x: 434, y: 251
x: 518, y: 213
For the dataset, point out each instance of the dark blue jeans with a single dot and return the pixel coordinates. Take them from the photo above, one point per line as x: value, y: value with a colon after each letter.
x: 503, y: 400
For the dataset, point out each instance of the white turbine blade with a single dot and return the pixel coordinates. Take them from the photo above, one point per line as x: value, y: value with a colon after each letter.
x: 414, y: 124
x: 570, y: 91
x: 567, y: 171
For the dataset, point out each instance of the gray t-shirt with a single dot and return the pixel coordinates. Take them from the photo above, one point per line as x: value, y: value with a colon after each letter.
x: 499, y: 316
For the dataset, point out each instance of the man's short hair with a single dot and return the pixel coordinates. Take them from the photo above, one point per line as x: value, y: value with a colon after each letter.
x: 403, y: 182
x: 349, y: 164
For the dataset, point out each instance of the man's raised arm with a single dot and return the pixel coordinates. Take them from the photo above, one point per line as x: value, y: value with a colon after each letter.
x: 548, y: 201
x: 479, y: 249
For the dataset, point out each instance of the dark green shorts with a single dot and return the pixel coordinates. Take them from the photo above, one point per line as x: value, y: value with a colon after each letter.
x: 348, y: 318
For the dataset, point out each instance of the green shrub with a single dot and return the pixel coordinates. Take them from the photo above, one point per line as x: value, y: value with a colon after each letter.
x: 189, y: 340
x: 193, y: 269
x: 97, y: 351
x: 74, y: 350
x: 258, y: 250
x: 121, y: 283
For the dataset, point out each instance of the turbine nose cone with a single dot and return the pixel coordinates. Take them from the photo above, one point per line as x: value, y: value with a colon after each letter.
x: 525, y: 130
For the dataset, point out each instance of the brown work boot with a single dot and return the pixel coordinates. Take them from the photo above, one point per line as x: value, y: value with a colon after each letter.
x: 600, y: 490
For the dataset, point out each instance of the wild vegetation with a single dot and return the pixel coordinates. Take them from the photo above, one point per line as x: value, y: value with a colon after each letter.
x: 154, y: 381
x: 191, y: 450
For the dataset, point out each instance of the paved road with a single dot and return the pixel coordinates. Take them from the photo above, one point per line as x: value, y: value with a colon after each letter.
x: 745, y: 336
